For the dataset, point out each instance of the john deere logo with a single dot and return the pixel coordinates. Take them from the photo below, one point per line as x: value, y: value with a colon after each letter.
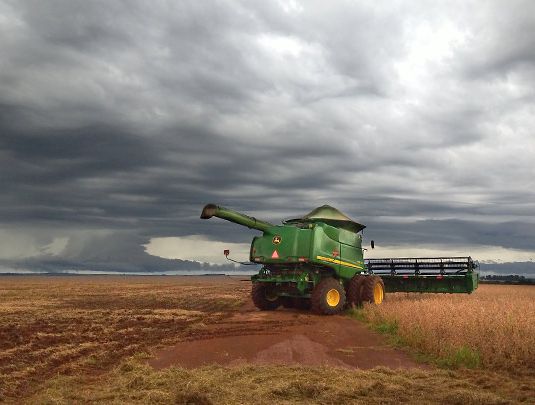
x: 277, y: 239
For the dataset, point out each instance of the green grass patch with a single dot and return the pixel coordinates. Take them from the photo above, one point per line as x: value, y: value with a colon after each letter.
x: 463, y: 356
x: 357, y: 313
x: 458, y: 357
x: 387, y: 327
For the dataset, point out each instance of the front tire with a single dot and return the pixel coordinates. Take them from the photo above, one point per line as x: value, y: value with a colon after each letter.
x: 264, y: 297
x: 328, y: 297
x: 373, y: 290
x: 354, y: 290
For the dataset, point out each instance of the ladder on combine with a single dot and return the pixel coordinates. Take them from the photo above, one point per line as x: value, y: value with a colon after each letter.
x: 426, y: 274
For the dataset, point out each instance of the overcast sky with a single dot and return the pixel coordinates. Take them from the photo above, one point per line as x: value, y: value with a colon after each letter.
x: 120, y: 120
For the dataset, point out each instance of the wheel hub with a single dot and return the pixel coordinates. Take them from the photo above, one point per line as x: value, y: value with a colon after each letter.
x: 378, y: 293
x: 333, y: 297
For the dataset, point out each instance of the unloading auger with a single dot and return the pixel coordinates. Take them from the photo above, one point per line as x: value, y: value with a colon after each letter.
x: 317, y: 262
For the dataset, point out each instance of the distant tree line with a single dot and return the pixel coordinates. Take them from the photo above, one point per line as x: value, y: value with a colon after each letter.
x: 508, y: 279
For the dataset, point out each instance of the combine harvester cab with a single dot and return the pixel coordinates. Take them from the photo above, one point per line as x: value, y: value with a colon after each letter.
x: 317, y: 262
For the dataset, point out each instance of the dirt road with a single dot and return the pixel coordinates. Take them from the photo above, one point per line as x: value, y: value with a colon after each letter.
x: 285, y: 336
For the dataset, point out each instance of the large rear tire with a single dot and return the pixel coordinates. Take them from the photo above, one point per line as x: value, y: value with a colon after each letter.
x: 287, y: 302
x: 373, y: 290
x: 328, y: 297
x: 354, y: 290
x: 264, y: 298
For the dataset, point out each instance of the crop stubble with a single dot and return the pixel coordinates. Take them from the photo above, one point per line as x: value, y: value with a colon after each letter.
x: 84, y: 325
x: 70, y: 339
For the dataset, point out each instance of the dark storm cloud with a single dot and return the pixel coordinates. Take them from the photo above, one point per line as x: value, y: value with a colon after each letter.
x: 129, y: 117
x: 111, y: 253
x: 515, y: 235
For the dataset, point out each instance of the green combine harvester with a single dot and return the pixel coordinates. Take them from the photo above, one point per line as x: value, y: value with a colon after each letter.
x: 317, y: 262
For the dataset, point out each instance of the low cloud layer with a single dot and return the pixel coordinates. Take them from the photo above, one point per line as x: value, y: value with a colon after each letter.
x: 125, y: 119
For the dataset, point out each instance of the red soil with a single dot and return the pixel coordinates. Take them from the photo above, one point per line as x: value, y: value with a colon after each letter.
x: 285, y: 336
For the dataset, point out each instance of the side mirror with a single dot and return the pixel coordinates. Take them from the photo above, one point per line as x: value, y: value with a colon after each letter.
x: 373, y: 244
x: 226, y: 252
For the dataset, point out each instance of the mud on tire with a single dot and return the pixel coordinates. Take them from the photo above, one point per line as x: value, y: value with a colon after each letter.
x: 328, y: 297
x: 287, y: 302
x: 354, y: 290
x: 373, y: 290
x: 264, y: 298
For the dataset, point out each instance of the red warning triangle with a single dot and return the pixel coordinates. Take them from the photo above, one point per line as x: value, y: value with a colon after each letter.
x: 275, y: 255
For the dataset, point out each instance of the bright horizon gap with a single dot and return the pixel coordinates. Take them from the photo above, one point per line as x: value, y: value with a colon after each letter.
x: 202, y: 249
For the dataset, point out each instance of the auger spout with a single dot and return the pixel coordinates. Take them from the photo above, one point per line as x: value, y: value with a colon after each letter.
x: 212, y: 210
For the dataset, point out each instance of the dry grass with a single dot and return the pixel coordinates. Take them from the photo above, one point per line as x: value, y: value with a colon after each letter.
x: 86, y: 325
x: 135, y: 383
x: 492, y: 328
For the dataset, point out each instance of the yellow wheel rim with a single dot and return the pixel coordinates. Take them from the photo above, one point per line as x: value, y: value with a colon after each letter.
x: 378, y: 293
x: 333, y: 297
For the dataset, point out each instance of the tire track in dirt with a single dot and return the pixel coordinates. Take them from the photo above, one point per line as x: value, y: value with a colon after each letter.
x: 284, y: 337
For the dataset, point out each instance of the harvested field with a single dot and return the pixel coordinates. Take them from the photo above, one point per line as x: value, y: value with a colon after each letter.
x: 91, y: 339
x: 72, y: 325
x: 135, y: 383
